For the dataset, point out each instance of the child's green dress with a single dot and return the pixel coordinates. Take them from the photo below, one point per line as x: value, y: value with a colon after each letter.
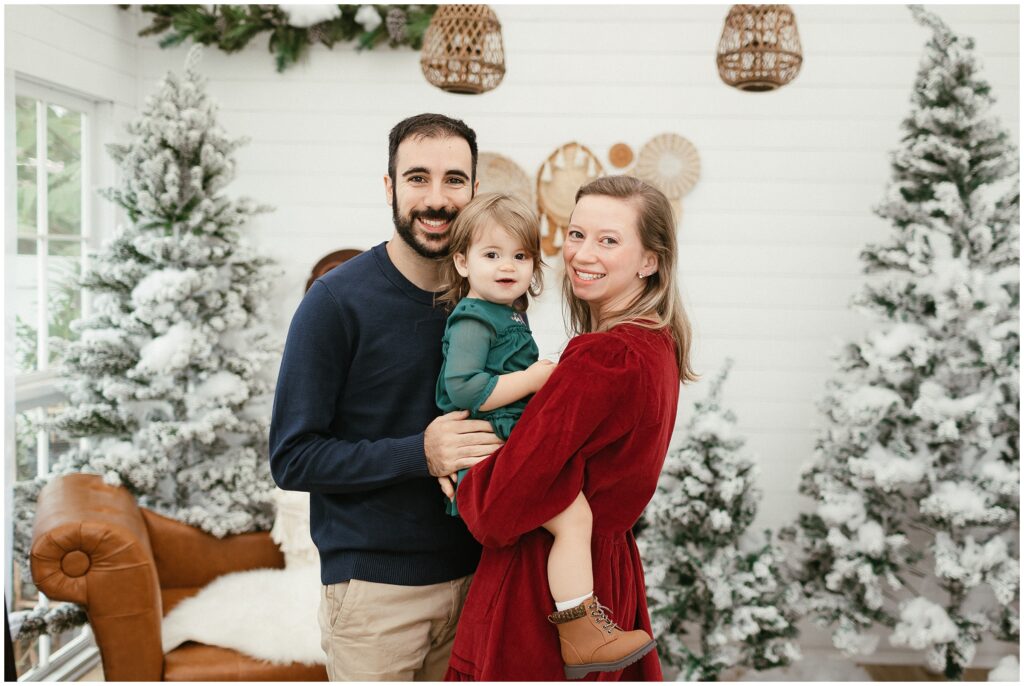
x: 483, y: 340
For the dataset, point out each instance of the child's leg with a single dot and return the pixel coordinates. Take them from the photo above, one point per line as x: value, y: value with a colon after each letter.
x: 590, y: 641
x: 570, y: 571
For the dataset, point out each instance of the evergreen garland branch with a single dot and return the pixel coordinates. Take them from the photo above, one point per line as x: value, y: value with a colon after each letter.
x: 47, y: 621
x: 232, y: 27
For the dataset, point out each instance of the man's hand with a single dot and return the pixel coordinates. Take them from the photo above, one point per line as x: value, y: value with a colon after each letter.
x: 453, y: 442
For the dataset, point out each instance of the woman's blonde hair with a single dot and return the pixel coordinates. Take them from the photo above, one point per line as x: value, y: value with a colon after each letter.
x: 510, y: 214
x: 657, y: 230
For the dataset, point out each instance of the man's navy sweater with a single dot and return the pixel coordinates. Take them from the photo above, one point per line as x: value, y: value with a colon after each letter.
x: 354, y: 395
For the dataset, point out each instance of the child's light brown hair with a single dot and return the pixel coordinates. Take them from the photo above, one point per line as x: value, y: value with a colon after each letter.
x: 511, y: 214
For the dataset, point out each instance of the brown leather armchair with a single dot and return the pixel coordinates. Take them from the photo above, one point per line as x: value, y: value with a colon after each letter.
x: 93, y: 545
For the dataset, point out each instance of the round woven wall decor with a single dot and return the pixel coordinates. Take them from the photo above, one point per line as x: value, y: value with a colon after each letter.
x: 499, y: 174
x: 558, y: 179
x: 462, y: 49
x: 760, y: 47
x: 670, y: 163
x: 620, y: 155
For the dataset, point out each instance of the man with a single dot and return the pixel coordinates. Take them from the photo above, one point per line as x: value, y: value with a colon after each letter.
x: 355, y: 424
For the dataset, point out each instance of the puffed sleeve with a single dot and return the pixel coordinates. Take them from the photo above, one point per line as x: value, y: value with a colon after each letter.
x: 586, y: 404
x: 465, y: 378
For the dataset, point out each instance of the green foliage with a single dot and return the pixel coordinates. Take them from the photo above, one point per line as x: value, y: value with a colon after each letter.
x: 232, y: 27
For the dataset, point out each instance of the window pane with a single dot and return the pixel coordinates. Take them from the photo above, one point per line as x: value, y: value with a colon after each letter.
x: 26, y: 299
x: 60, y: 164
x: 26, y: 650
x: 26, y: 654
x: 63, y: 165
x: 27, y: 426
x: 25, y: 125
x: 26, y: 445
x: 58, y: 446
x: 65, y: 248
x: 64, y: 295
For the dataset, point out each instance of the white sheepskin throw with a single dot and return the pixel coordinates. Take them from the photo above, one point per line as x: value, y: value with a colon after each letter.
x: 291, y: 528
x: 269, y: 614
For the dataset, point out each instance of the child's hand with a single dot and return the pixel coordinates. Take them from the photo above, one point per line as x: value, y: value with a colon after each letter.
x: 540, y: 371
x: 447, y: 486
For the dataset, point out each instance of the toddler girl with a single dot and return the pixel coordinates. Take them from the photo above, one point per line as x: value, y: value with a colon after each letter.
x: 490, y: 358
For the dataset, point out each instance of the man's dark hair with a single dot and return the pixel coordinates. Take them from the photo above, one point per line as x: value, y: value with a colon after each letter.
x: 430, y: 126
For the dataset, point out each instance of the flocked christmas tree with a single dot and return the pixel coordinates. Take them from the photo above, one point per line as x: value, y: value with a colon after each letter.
x: 707, y: 576
x: 168, y: 386
x: 916, y: 473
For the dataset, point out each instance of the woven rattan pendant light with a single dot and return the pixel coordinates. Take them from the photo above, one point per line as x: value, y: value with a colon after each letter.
x: 760, y: 47
x: 462, y: 49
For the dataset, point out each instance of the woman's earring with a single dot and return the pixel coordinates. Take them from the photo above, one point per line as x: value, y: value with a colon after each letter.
x: 641, y: 275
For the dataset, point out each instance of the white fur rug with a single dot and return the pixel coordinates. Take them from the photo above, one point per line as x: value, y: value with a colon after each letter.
x: 270, y: 614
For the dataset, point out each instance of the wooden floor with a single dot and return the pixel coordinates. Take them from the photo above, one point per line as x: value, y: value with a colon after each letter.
x: 877, y: 672
x: 917, y: 673
x: 96, y: 674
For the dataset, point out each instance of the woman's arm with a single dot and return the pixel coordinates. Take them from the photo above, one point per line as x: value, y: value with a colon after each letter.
x: 585, y: 406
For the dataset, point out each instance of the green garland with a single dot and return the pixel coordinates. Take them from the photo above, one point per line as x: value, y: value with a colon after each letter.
x: 49, y: 621
x: 231, y: 27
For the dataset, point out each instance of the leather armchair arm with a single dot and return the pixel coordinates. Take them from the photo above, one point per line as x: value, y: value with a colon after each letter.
x: 90, y: 546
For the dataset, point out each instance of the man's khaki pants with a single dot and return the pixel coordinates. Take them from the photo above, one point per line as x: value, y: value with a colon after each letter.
x: 383, y: 632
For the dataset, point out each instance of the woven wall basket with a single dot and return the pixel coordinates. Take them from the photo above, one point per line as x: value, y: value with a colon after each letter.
x: 670, y: 163
x: 462, y: 49
x: 499, y: 174
x: 558, y: 179
x: 760, y: 47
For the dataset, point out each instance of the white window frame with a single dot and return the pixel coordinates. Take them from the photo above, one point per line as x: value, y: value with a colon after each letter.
x: 37, y: 390
x: 33, y: 383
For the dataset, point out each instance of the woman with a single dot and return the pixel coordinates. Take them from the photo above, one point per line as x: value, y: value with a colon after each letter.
x: 601, y: 423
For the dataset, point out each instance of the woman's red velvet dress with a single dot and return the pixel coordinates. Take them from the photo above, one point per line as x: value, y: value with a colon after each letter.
x: 602, y: 423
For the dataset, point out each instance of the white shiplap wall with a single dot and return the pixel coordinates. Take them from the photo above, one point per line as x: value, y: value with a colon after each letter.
x: 770, y: 235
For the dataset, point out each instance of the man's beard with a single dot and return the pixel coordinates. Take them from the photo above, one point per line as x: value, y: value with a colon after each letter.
x: 404, y: 227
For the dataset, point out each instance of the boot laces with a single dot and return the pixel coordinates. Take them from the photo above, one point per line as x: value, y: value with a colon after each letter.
x: 600, y: 613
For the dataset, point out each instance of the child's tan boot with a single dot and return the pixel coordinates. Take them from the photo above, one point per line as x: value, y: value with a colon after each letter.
x: 591, y: 642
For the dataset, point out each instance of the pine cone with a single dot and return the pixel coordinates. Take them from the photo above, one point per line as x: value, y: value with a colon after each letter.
x: 317, y: 33
x: 395, y: 23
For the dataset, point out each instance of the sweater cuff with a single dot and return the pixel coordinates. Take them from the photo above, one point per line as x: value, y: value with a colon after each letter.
x: 409, y: 457
x: 484, y: 394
